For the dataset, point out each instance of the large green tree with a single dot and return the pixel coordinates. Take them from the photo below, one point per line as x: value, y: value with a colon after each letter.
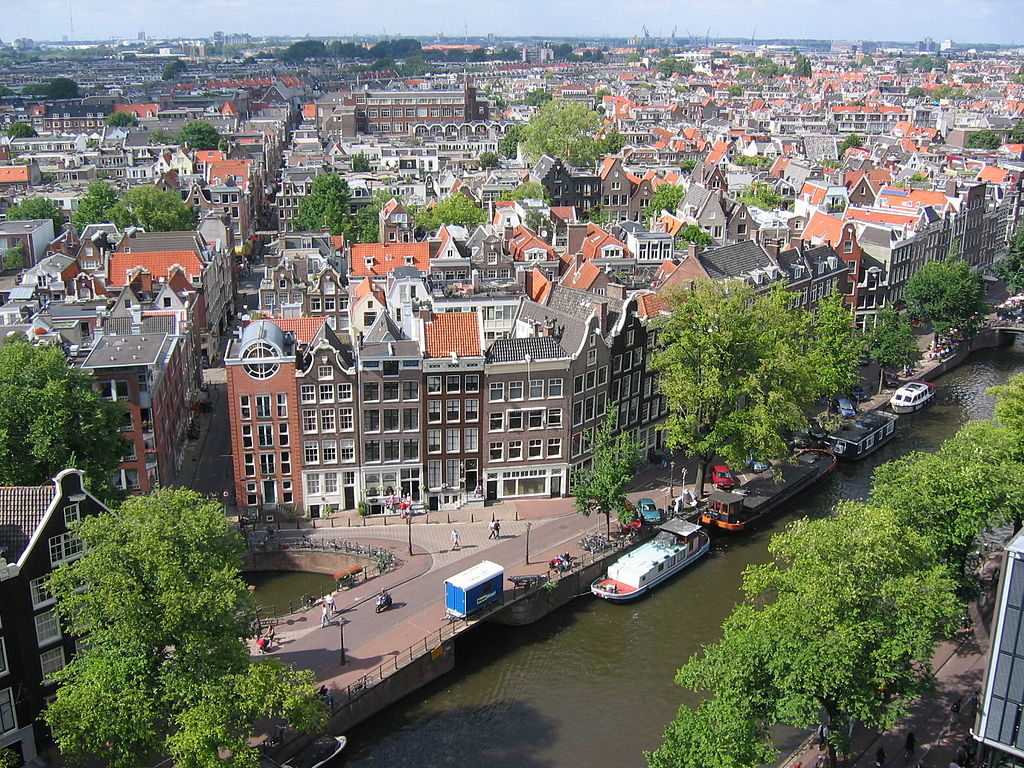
x: 454, y: 209
x: 154, y: 210
x: 159, y: 601
x: 199, y: 134
x: 172, y: 69
x: 835, y: 347
x: 51, y: 418
x: 891, y: 343
x: 842, y: 624
x: 733, y: 366
x: 509, y: 143
x: 95, y: 205
x: 946, y: 294
x: 19, y: 130
x: 601, y: 487
x: 488, y: 160
x: 38, y: 208
x: 853, y: 141
x: 122, y: 119
x: 666, y: 198
x: 366, y: 222
x: 1011, y: 268
x: 326, y: 207
x: 529, y: 190
x: 563, y: 129
x: 984, y: 139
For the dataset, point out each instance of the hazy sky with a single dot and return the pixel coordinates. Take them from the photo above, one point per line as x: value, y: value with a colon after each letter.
x: 960, y: 20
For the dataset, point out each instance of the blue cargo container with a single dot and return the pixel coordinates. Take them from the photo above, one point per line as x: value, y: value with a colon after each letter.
x: 471, y: 590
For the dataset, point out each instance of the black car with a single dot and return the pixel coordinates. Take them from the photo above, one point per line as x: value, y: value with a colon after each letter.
x: 858, y: 393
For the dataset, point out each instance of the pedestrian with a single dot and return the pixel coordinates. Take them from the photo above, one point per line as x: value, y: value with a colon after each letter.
x: 909, y: 746
x: 491, y: 535
x: 955, y: 708
x: 497, y: 529
x: 455, y: 540
x: 972, y: 704
x: 271, y: 636
x: 325, y: 618
x: 329, y: 603
x: 823, y: 732
x: 879, y: 758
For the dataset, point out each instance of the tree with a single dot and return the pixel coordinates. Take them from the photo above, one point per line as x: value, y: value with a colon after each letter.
x: 916, y: 92
x: 199, y: 134
x: 302, y: 50
x: 159, y: 600
x: 122, y: 119
x: 366, y: 222
x: 835, y: 348
x: 19, y: 130
x: 38, y: 208
x: 611, y: 143
x: 946, y: 294
x: 173, y: 69
x: 509, y: 143
x: 760, y: 195
x: 891, y: 343
x: 62, y: 88
x: 161, y: 136
x: 153, y: 210
x: 802, y: 67
x: 735, y: 90
x: 537, y: 98
x: 360, y: 163
x: 51, y: 418
x: 841, y: 625
x: 866, y: 61
x: 692, y: 233
x: 488, y: 160
x: 529, y: 190
x: 853, y: 141
x: 666, y: 198
x: 718, y: 348
x: 563, y: 129
x: 602, y: 487
x: 14, y: 258
x: 455, y: 209
x: 326, y: 206
x: 1017, y: 134
x: 95, y: 205
x: 984, y: 139
x: 1011, y: 269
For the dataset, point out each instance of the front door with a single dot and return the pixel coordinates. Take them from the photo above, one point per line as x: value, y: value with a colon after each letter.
x: 492, y: 490
x: 350, y: 497
x: 269, y: 492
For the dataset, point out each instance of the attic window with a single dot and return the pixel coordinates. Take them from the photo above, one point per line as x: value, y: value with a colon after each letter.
x: 410, y: 261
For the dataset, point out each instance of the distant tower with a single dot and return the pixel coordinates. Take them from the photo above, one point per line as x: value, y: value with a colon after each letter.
x: 141, y: 35
x: 71, y: 23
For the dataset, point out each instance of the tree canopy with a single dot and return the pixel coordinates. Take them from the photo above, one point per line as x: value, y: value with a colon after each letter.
x: 199, y: 134
x: 38, y: 208
x: 853, y: 141
x: 153, y: 209
x: 666, y: 198
x: 986, y: 138
x: 488, y: 160
x: 891, y: 343
x: 802, y: 67
x: 95, y: 205
x: 160, y: 603
x: 173, y: 69
x: 760, y: 195
x: 360, y: 163
x: 366, y: 222
x: 717, y: 349
x: 19, y: 130
x: 454, y: 209
x: 946, y: 294
x: 51, y: 418
x: 601, y: 488
x: 1017, y: 134
x: 326, y: 207
x: 563, y: 129
x: 122, y: 119
x: 1011, y: 268
x: 508, y: 145
x: 529, y: 190
x: 835, y: 347
x: 57, y: 88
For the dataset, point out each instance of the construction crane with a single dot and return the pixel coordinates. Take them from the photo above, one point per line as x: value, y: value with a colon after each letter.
x: 673, y: 36
x: 647, y: 34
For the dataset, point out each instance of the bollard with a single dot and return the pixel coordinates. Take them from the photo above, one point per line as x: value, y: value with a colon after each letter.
x: 448, y: 515
x: 471, y: 518
x: 492, y: 517
x: 313, y: 520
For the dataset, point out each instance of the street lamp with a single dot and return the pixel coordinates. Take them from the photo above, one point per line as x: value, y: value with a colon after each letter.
x: 341, y: 637
x: 671, y: 478
x: 528, y: 527
x: 408, y: 525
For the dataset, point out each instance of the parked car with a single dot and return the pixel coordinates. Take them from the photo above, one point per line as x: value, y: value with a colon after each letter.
x: 845, y: 407
x: 891, y: 379
x: 811, y: 436
x: 722, y: 477
x: 756, y: 465
x: 649, y: 511
x: 859, y: 394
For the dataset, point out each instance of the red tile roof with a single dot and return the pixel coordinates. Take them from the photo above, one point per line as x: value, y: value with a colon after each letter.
x: 14, y: 174
x: 304, y: 328
x: 387, y: 256
x: 453, y: 333
x: 157, y: 263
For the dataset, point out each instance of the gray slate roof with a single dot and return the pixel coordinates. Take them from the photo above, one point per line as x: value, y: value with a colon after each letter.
x: 731, y: 261
x: 21, y: 511
x: 516, y: 350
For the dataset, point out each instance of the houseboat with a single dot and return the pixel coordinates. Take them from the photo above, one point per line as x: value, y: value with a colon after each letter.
x: 912, y: 396
x: 677, y: 545
x: 740, y: 508
x: 859, y: 437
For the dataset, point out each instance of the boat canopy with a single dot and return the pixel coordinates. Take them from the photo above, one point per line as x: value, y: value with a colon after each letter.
x: 681, y: 528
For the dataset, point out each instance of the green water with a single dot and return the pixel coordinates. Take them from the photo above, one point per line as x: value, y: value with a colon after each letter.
x: 278, y: 588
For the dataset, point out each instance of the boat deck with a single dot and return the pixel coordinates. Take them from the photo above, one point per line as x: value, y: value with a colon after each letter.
x: 613, y: 587
x: 761, y: 490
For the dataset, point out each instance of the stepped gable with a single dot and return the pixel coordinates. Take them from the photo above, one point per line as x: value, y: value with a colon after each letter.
x: 516, y: 350
x: 733, y: 261
x: 22, y: 509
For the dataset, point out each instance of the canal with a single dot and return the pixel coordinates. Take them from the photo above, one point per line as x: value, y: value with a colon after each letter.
x: 591, y: 685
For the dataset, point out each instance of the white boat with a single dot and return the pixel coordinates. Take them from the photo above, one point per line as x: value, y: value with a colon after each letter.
x: 677, y: 544
x: 316, y: 754
x: 912, y: 396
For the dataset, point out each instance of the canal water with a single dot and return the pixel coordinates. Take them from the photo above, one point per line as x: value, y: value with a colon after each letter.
x: 592, y: 684
x: 278, y: 588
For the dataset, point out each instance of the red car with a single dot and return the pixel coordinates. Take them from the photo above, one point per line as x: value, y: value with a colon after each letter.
x: 722, y: 477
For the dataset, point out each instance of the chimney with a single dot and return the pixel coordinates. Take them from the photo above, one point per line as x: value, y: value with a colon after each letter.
x: 615, y: 291
x: 425, y: 314
x: 601, y: 309
x: 547, y: 328
x: 772, y: 247
x: 951, y: 187
x: 693, y: 251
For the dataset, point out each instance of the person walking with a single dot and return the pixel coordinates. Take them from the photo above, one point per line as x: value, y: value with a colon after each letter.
x: 823, y: 733
x: 497, y: 529
x: 329, y: 603
x: 325, y: 617
x: 492, y: 529
x: 455, y: 540
x: 879, y: 758
x: 909, y: 746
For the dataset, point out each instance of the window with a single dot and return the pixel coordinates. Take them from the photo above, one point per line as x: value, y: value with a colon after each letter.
x: 47, y: 628
x: 345, y: 392
x: 262, y: 406
x: 311, y: 452
x: 390, y: 419
x: 497, y: 391
x: 282, y: 434
x: 515, y: 390
x: 471, y: 440
x: 536, y: 388
x: 410, y: 419
x: 515, y: 419
x: 282, y: 405
x: 328, y: 451
x: 577, y: 413
x: 326, y: 419
x: 554, y: 387
x: 330, y: 482
x: 433, y: 411
x: 249, y: 460
x: 244, y: 408
x: 433, y: 441
x: 371, y: 391
x: 3, y: 671
x: 472, y: 382
x: 535, y: 449
x: 348, y: 450
x: 496, y: 422
x: 515, y: 449
x: 452, y: 440
x: 267, y: 462
x: 497, y: 451
x: 8, y: 722
x: 51, y: 661
x: 591, y: 379
x: 453, y: 384
x: 577, y: 385
x: 433, y: 474
x: 433, y: 385
x: 266, y: 435
x: 453, y: 410
x: 371, y: 450
x: 312, y: 485
x: 392, y: 450
x: 390, y: 390
x: 592, y: 354
x: 63, y: 548
x: 308, y: 420
x: 345, y: 420
x: 326, y: 393
x: 554, y: 447
x: 602, y: 375
x: 71, y: 513
x: 554, y: 417
x: 40, y: 592
x: 411, y: 449
x: 410, y: 390
x: 535, y: 419
x: 307, y: 393
x: 371, y: 421
x: 472, y: 410
x: 324, y: 372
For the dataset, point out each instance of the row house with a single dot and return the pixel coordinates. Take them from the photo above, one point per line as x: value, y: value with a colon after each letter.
x: 624, y: 196
x: 30, y: 236
x: 565, y: 186
x: 867, y: 120
x: 35, y: 540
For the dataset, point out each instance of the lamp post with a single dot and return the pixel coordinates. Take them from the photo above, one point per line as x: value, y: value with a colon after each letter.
x: 528, y: 527
x: 341, y: 637
x: 671, y: 479
x: 408, y: 525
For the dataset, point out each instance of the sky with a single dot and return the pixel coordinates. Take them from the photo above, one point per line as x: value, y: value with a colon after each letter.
x: 996, y: 21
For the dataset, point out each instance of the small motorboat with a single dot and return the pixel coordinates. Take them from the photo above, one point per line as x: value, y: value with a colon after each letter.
x: 318, y: 753
x: 912, y: 396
